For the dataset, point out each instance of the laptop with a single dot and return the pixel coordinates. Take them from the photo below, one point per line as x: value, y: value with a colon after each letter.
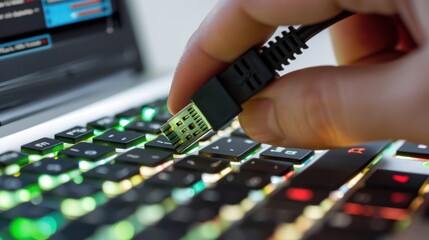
x: 82, y: 157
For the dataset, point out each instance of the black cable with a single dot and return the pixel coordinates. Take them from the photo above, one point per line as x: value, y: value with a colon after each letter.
x: 218, y: 102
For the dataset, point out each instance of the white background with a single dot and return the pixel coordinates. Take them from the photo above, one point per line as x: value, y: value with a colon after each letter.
x: 164, y: 26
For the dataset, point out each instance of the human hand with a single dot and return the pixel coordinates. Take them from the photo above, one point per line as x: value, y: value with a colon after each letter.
x: 379, y: 91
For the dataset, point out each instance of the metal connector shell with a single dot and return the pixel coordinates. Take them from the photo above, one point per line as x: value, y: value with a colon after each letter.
x: 186, y: 127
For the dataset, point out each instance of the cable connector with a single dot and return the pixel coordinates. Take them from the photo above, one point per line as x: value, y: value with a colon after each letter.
x: 218, y: 102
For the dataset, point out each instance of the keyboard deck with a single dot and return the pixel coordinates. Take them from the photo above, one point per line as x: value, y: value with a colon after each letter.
x: 118, y: 178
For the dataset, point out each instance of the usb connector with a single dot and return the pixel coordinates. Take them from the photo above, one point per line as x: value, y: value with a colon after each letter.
x: 218, y: 102
x: 186, y: 127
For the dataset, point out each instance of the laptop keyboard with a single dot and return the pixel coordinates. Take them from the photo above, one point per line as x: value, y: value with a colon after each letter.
x: 117, y: 178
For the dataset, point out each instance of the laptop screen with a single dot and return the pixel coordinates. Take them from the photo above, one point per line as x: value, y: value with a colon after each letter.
x: 46, y: 42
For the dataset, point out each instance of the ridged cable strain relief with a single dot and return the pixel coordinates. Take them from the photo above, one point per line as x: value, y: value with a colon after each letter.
x: 278, y: 53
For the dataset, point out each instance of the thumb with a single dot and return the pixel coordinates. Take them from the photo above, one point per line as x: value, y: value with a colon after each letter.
x: 337, y: 106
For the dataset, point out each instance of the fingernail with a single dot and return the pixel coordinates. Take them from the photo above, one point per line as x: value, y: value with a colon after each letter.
x: 258, y: 120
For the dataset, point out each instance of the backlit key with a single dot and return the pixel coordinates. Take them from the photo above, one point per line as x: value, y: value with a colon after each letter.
x: 399, y: 181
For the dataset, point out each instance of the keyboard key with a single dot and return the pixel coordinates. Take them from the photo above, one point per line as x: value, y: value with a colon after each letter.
x: 274, y: 168
x: 50, y: 166
x: 144, y: 127
x: 112, y: 172
x: 301, y: 195
x: 203, y: 164
x: 28, y: 210
x: 75, y: 230
x: 43, y: 146
x: 111, y: 212
x: 162, y: 117
x: 232, y: 148
x: 104, y: 123
x: 358, y: 224
x: 174, y: 179
x: 130, y: 113
x: 382, y: 198
x: 119, y: 139
x: 245, y: 180
x: 145, y: 157
x: 293, y: 155
x: 337, y: 166
x: 410, y: 149
x: 146, y: 195
x: 12, y: 157
x: 239, y: 132
x: 161, y: 143
x: 88, y: 151
x: 74, y: 190
x: 10, y: 183
x: 399, y: 181
x: 75, y: 134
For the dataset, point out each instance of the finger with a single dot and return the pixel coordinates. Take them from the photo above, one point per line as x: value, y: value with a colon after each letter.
x: 337, y: 106
x: 362, y: 36
x: 369, y: 6
x: 232, y: 28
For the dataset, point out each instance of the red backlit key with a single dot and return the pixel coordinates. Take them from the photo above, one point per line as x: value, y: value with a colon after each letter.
x: 400, y: 181
x: 304, y: 195
x: 338, y: 166
x: 382, y: 198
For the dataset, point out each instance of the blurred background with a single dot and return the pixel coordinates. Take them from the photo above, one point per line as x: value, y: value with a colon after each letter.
x: 164, y: 26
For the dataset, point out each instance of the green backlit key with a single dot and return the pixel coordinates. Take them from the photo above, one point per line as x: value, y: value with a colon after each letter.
x: 43, y: 146
x: 144, y: 127
x: 75, y: 134
x: 145, y: 157
x: 104, y: 123
x: 51, y: 166
x: 114, y: 173
x: 88, y: 151
x: 12, y: 157
x: 232, y: 148
x: 119, y: 139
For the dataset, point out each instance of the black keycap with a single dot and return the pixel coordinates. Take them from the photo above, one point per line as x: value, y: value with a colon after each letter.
x: 162, y: 116
x: 218, y: 196
x: 50, y: 166
x: 28, y: 210
x: 245, y: 180
x: 75, y: 230
x: 266, y: 215
x: 301, y: 195
x: 112, y: 172
x: 293, y: 155
x: 174, y: 179
x: 12, y: 157
x: 144, y: 127
x: 88, y: 151
x: 119, y: 139
x: 239, y: 133
x: 73, y: 190
x: 146, y: 195
x: 208, y: 136
x: 233, y: 148
x: 358, y: 224
x: 338, y: 166
x: 145, y: 157
x: 104, y: 123
x: 400, y: 181
x: 110, y: 213
x: 130, y: 113
x: 75, y: 134
x: 161, y: 143
x: 275, y: 168
x: 382, y: 198
x: 43, y: 146
x: 157, y: 233
x: 410, y: 149
x: 10, y: 183
x: 203, y: 164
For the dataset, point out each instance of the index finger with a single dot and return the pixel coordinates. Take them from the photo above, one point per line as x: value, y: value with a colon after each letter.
x: 232, y: 28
